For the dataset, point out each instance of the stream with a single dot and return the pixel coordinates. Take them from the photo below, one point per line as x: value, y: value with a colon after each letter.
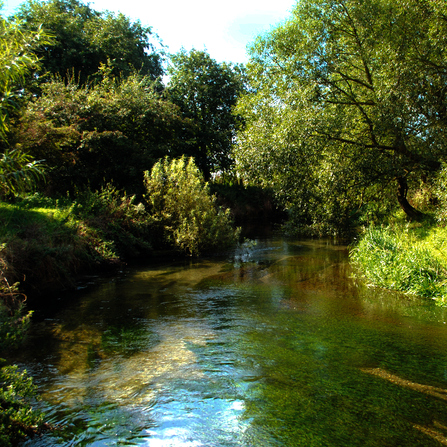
x: 275, y: 344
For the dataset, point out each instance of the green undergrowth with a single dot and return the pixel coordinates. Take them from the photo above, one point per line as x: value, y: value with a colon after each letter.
x: 408, y: 258
x: 46, y: 241
x: 18, y: 419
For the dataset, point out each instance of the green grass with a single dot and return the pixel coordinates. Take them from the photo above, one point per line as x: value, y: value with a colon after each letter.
x: 408, y: 259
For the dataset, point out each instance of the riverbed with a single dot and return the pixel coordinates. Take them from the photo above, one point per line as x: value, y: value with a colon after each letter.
x: 275, y: 344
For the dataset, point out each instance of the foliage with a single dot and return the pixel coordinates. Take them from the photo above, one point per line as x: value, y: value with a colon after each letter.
x: 440, y: 192
x: 120, y: 224
x: 409, y: 260
x: 17, y: 418
x: 184, y: 208
x: 85, y: 38
x: 50, y: 241
x: 347, y: 107
x: 17, y: 57
x: 92, y: 135
x: 13, y: 320
x: 245, y: 202
x: 206, y: 93
x: 18, y: 172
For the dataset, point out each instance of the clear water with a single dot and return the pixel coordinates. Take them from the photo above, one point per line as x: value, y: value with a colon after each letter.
x: 274, y: 345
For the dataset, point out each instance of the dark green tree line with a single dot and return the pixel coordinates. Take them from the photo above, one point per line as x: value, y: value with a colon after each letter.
x: 108, y: 132
x: 94, y: 107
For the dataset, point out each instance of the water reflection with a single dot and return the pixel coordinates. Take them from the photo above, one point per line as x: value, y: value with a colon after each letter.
x: 276, y: 345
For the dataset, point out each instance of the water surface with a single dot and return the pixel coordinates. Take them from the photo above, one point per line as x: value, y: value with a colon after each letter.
x: 274, y: 345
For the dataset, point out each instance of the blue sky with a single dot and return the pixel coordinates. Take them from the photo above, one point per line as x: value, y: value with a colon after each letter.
x: 222, y: 28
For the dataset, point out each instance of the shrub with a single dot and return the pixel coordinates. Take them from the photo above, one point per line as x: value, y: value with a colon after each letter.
x: 111, y: 131
x: 49, y: 241
x: 440, y: 189
x: 411, y: 261
x: 17, y: 418
x: 184, y: 208
x: 118, y: 221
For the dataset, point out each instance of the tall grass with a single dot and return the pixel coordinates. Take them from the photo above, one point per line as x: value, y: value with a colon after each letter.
x: 406, y: 259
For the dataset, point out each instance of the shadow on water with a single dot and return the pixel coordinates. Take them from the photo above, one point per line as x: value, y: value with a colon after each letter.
x: 274, y: 345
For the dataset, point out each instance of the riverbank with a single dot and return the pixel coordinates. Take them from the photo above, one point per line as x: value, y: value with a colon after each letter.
x: 46, y: 243
x: 410, y: 258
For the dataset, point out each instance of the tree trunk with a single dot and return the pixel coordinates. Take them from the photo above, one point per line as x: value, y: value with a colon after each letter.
x: 409, y: 210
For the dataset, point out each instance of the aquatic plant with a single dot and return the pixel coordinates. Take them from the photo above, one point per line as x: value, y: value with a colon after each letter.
x: 17, y: 417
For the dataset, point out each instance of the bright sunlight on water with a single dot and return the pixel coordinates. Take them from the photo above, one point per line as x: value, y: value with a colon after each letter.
x: 275, y: 345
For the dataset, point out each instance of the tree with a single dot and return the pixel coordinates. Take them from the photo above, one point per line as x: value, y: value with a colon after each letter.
x: 18, y: 172
x: 17, y: 57
x: 348, y: 104
x: 85, y: 38
x: 206, y: 92
x: 93, y: 135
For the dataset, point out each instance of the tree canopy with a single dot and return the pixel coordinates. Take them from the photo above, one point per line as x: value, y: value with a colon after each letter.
x: 109, y: 132
x: 206, y: 92
x: 17, y: 58
x: 348, y: 106
x: 85, y: 38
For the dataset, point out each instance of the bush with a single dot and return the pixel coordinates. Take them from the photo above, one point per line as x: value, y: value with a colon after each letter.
x: 184, y: 208
x: 412, y: 261
x: 440, y: 189
x: 89, y: 136
x: 118, y: 221
x: 50, y: 241
x: 17, y: 418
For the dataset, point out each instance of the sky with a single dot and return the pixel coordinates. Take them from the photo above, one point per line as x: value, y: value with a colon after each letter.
x: 222, y: 28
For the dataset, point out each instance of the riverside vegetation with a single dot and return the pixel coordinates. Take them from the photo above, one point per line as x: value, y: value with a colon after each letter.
x: 338, y: 120
x: 98, y: 161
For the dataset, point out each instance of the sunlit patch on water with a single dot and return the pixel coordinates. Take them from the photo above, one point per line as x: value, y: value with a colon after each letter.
x: 212, y: 422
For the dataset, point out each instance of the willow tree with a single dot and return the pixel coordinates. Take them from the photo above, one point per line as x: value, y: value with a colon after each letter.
x: 348, y: 103
x: 17, y: 57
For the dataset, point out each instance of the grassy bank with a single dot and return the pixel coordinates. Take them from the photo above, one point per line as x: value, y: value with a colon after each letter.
x: 407, y: 258
x: 47, y: 242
